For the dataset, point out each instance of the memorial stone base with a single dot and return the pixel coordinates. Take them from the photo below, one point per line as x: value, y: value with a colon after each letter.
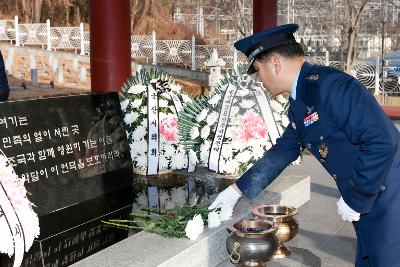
x: 146, y: 249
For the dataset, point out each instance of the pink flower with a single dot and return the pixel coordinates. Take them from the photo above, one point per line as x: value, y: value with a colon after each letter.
x: 169, y: 129
x: 252, y: 127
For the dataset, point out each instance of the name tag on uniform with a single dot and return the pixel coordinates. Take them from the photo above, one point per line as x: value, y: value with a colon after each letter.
x: 311, y: 119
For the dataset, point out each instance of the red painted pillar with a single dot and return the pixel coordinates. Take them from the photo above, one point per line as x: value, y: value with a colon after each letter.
x: 110, y: 44
x: 265, y: 14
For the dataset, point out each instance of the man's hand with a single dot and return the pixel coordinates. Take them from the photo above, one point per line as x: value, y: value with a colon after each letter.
x: 347, y: 213
x: 227, y: 197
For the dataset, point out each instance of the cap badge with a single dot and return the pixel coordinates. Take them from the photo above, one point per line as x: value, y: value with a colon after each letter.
x: 255, y: 52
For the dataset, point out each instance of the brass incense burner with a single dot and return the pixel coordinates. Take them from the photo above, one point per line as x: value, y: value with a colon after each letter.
x: 251, y: 242
x: 283, y: 220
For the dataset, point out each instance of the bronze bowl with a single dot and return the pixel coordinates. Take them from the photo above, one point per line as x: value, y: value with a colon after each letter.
x: 283, y: 220
x: 251, y: 242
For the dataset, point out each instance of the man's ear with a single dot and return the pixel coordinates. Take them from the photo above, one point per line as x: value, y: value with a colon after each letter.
x: 275, y: 62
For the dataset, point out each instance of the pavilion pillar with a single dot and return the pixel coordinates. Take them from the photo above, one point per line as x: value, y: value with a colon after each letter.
x: 265, y: 14
x: 110, y: 44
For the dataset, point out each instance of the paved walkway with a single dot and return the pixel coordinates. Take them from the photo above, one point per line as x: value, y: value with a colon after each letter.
x: 323, y: 239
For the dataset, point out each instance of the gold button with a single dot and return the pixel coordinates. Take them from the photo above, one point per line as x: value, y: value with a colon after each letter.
x: 383, y: 188
x: 321, y: 138
x: 308, y: 145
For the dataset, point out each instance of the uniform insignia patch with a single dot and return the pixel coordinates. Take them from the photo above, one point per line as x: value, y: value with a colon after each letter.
x: 313, y: 77
x: 310, y: 119
x: 323, y: 150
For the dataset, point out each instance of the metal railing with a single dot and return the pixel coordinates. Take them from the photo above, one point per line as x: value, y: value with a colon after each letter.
x: 144, y: 48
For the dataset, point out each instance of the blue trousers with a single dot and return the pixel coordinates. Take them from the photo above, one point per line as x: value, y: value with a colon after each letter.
x: 389, y: 257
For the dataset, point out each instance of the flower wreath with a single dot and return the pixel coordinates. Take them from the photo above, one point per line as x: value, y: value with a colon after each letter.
x: 19, y: 224
x: 234, y: 126
x: 150, y: 102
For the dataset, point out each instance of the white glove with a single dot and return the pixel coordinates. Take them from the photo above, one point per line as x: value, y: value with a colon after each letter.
x: 347, y: 213
x: 227, y: 197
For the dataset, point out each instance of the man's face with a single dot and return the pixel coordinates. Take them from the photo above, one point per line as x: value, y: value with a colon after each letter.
x: 268, y: 71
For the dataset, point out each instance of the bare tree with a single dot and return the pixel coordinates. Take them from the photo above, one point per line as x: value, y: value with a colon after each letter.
x: 355, y: 9
x: 237, y: 10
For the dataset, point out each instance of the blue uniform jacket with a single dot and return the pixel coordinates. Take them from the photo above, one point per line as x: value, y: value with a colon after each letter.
x: 363, y: 151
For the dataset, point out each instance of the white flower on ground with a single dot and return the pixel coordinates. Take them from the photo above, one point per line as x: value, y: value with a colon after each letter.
x: 137, y: 89
x: 131, y: 117
x: 212, y: 118
x: 194, y: 227
x: 194, y: 133
x: 205, y: 132
x: 124, y: 104
x: 276, y: 106
x: 202, y: 115
x: 226, y: 212
x: 214, y: 219
x: 136, y: 103
x: 246, y: 104
x: 214, y: 99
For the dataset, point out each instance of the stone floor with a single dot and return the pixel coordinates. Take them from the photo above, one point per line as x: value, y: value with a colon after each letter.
x: 324, y: 239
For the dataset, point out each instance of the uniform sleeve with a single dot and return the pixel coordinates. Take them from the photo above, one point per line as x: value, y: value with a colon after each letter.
x: 4, y: 89
x: 274, y: 161
x: 358, y: 114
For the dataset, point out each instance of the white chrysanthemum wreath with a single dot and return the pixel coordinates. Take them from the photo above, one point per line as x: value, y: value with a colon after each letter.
x: 150, y: 102
x: 19, y: 224
x: 234, y: 126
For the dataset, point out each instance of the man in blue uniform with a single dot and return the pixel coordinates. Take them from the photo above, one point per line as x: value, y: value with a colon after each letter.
x: 337, y: 119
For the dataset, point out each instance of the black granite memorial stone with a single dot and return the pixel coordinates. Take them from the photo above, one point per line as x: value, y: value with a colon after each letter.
x: 74, y: 157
